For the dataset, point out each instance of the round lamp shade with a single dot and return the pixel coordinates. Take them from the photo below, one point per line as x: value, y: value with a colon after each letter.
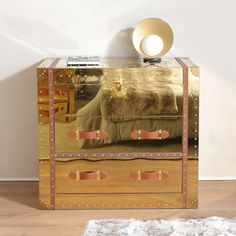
x: 152, y: 45
x: 152, y: 38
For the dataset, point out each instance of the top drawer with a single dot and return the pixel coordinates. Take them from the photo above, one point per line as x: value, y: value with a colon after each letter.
x: 129, y: 91
x: 157, y: 89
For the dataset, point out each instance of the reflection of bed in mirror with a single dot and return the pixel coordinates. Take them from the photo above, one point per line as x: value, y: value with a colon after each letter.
x: 120, y: 104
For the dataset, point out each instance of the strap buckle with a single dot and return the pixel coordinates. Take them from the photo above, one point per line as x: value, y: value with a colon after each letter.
x: 159, y: 134
x: 77, y: 134
x: 139, y: 175
x: 139, y: 134
x: 78, y: 175
x: 98, y: 175
x: 98, y: 134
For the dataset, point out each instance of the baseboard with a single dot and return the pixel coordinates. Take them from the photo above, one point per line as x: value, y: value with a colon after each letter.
x: 36, y: 178
x: 8, y: 179
x: 218, y: 178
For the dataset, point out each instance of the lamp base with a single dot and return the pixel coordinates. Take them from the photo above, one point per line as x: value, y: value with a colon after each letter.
x: 151, y: 60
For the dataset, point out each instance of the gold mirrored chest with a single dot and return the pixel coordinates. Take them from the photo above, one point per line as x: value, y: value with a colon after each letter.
x: 120, y: 135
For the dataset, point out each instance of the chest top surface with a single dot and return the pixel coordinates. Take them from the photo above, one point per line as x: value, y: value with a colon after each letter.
x: 168, y: 62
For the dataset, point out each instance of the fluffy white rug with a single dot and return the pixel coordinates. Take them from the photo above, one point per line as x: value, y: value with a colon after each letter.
x: 211, y: 226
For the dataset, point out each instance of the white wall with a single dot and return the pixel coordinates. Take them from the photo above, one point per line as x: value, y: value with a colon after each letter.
x: 32, y: 30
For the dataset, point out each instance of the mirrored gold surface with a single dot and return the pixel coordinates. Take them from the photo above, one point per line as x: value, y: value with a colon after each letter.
x: 118, y: 135
x: 79, y: 106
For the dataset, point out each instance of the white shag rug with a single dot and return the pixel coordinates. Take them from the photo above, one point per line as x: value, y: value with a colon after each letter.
x: 210, y: 226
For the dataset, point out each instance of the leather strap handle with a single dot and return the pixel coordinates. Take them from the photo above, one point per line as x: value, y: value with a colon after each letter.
x: 144, y: 134
x: 87, y: 175
x: 149, y: 175
x: 97, y: 134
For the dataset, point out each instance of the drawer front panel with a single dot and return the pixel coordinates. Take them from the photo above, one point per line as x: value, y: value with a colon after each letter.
x: 99, y: 135
x: 152, y: 86
x: 114, y: 176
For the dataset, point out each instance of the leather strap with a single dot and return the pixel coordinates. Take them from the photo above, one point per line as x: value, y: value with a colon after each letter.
x: 87, y: 175
x: 52, y: 171
x: 149, y: 175
x: 185, y: 132
x: 97, y: 134
x: 143, y: 134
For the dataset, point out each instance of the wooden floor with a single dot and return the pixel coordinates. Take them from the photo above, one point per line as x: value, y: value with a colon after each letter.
x: 19, y: 214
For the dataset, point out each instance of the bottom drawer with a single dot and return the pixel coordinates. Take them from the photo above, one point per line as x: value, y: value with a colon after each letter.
x: 119, y: 176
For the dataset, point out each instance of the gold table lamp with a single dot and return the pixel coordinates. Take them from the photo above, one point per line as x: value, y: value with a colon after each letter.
x: 152, y: 38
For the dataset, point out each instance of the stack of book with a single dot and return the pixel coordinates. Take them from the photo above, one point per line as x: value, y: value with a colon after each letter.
x: 83, y: 61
